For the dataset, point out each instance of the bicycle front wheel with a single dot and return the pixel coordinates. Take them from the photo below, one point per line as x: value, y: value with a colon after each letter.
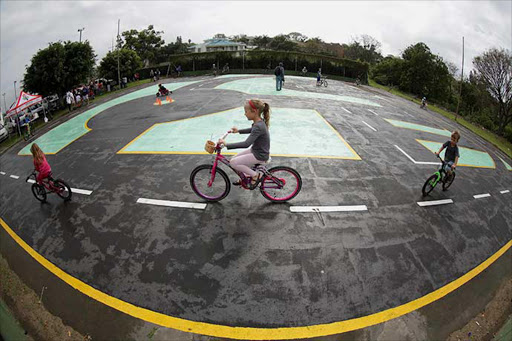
x: 39, y: 192
x: 429, y: 185
x: 325, y: 84
x: 200, y: 181
x: 63, y: 190
x: 283, y: 184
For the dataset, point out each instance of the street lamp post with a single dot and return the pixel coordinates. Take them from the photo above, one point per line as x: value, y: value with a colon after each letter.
x: 5, y: 105
x: 15, y: 94
x: 80, y: 30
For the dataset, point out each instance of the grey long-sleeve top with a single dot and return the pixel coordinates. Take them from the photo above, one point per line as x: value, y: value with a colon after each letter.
x: 259, y: 139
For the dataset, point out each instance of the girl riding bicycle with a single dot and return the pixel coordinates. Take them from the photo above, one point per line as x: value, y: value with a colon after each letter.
x: 40, y: 164
x: 258, y: 141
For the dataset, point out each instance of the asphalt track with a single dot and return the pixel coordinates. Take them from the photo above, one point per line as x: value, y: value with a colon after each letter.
x: 247, y: 268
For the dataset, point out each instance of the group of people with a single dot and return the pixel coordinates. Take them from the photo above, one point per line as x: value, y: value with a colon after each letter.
x: 154, y: 75
x: 79, y: 96
x: 279, y: 73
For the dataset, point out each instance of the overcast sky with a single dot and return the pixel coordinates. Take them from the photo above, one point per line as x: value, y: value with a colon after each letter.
x: 27, y: 26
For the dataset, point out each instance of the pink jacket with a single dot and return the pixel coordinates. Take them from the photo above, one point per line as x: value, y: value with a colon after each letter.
x: 43, y: 167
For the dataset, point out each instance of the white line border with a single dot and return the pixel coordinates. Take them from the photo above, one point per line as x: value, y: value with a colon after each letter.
x: 315, y: 209
x: 169, y: 203
x: 435, y: 202
x: 369, y: 126
x: 480, y: 196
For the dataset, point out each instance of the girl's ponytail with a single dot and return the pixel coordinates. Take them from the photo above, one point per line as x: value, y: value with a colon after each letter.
x: 266, y: 114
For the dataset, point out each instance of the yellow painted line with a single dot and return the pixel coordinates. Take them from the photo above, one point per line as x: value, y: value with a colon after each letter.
x: 356, y: 157
x: 247, y: 333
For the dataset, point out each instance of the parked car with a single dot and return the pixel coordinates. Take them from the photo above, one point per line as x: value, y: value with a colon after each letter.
x: 3, y: 133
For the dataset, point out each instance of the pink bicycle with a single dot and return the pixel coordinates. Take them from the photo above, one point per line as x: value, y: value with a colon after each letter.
x: 210, y: 182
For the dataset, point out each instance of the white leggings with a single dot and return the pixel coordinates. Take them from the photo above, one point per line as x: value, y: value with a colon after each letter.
x: 243, y: 162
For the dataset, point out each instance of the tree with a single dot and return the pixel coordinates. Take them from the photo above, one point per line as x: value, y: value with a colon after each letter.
x: 129, y: 63
x: 241, y: 38
x: 282, y: 43
x: 262, y: 42
x: 146, y: 43
x: 220, y: 36
x: 60, y: 66
x: 388, y: 71
x: 365, y: 48
x: 494, y: 70
x: 297, y: 37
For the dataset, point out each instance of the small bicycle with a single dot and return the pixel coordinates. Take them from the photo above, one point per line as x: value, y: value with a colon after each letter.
x: 29, y: 131
x: 49, y: 185
x: 322, y: 81
x: 210, y: 182
x: 439, y: 176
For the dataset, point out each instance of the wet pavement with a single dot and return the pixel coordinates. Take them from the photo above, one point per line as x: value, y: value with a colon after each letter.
x: 246, y: 262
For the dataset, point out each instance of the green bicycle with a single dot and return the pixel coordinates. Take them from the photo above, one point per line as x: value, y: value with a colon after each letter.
x: 439, y: 176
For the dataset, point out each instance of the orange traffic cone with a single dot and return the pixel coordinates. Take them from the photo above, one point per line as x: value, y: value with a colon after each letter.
x: 168, y: 99
x: 159, y: 101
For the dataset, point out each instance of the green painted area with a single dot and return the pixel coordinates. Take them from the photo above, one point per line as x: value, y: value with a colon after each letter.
x: 10, y: 328
x: 293, y: 132
x: 506, y: 164
x: 468, y: 157
x: 59, y: 137
x: 407, y: 125
x: 267, y: 86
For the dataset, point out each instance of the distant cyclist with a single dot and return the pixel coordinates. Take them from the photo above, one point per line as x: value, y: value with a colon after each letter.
x: 423, y: 103
x: 318, y: 76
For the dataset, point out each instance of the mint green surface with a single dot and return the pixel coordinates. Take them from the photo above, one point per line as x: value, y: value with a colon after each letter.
x: 402, y: 124
x: 292, y: 132
x: 506, y: 164
x: 62, y: 135
x: 236, y: 75
x: 267, y: 86
x: 468, y: 157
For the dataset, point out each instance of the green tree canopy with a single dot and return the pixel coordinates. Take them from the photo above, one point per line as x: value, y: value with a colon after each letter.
x: 146, y: 43
x: 283, y: 43
x: 494, y: 71
x: 60, y: 66
x: 365, y: 48
x: 129, y: 63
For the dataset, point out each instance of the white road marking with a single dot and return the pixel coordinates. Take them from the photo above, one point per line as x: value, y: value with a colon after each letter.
x: 346, y: 110
x: 301, y: 209
x: 479, y: 196
x: 416, y: 162
x: 73, y: 190
x: 192, y: 89
x: 168, y: 203
x: 14, y: 176
x: 373, y: 112
x: 435, y: 202
x: 80, y: 191
x: 506, y: 191
x: 372, y: 128
x: 3, y: 173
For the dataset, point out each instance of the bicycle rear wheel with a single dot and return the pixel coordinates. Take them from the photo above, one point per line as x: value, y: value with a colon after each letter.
x: 325, y: 83
x: 62, y: 189
x: 448, y: 180
x: 200, y: 178
x: 282, y: 185
x: 429, y: 185
x: 39, y: 192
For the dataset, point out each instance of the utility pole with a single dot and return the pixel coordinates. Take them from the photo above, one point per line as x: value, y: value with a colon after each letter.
x: 118, y: 53
x: 15, y: 94
x: 80, y: 30
x: 461, y: 79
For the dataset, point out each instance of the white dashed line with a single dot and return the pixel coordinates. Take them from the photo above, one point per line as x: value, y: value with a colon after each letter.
x: 479, y: 196
x: 168, y: 203
x: 372, y: 128
x: 73, y: 190
x: 313, y: 209
x: 14, y: 176
x: 3, y: 173
x: 435, y: 202
x: 81, y: 191
x: 192, y: 89
x: 504, y: 192
x: 346, y: 110
x: 373, y: 112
